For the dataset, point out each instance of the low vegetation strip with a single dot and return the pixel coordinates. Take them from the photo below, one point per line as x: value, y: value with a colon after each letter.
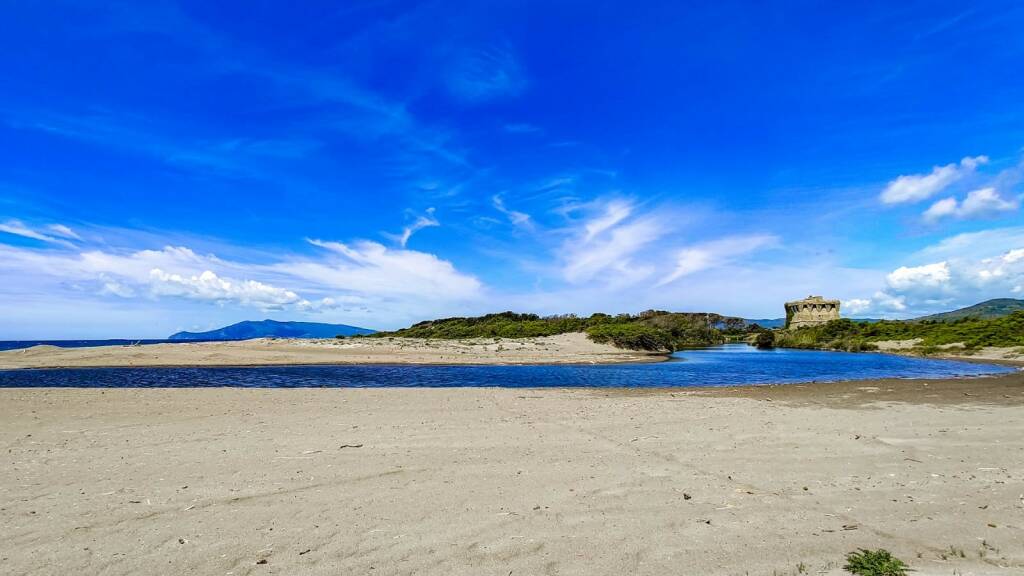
x: 972, y: 333
x: 651, y: 330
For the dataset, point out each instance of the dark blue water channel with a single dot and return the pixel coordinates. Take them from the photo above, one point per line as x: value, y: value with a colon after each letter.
x: 729, y: 365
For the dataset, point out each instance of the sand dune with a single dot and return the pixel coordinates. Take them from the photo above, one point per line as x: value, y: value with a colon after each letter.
x: 561, y: 349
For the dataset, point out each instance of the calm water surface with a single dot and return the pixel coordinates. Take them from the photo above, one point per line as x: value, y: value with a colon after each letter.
x: 728, y: 365
x: 18, y: 344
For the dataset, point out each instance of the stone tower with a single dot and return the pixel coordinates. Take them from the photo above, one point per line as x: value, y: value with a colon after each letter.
x: 811, y: 311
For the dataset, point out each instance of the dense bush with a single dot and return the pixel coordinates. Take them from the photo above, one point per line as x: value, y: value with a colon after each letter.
x: 632, y: 336
x: 648, y: 330
x: 765, y: 339
x: 846, y: 334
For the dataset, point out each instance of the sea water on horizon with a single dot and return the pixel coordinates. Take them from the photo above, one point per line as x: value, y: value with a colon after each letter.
x: 19, y: 344
x: 728, y: 365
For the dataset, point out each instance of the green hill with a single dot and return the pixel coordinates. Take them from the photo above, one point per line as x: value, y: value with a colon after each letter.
x: 996, y: 308
x: 272, y: 328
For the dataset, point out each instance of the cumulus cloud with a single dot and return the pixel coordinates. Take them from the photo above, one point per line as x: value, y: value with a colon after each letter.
x: 173, y: 271
x: 977, y: 266
x: 208, y: 286
x: 928, y: 275
x: 855, y: 306
x: 57, y: 233
x: 714, y: 254
x: 917, y: 187
x: 978, y: 203
x: 359, y: 280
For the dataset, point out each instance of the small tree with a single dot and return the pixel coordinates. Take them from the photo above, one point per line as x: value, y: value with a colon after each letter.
x: 765, y: 339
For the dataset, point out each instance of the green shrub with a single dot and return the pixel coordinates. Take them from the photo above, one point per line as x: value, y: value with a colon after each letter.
x: 765, y: 339
x: 632, y: 336
x: 845, y: 334
x: 655, y: 329
x: 874, y: 563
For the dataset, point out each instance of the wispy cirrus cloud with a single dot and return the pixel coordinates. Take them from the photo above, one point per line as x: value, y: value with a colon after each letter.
x: 481, y: 74
x: 374, y: 270
x: 716, y: 253
x: 517, y: 218
x: 130, y: 134
x: 605, y: 245
x: 52, y: 233
x: 425, y: 220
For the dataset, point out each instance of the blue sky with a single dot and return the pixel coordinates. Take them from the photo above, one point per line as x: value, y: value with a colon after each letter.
x: 184, y: 165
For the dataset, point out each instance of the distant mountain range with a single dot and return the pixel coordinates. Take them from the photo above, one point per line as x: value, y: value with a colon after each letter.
x: 273, y: 328
x: 987, y: 309
x: 781, y: 322
x: 766, y: 322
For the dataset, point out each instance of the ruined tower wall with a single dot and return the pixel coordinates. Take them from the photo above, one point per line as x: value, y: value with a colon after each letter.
x: 811, y: 311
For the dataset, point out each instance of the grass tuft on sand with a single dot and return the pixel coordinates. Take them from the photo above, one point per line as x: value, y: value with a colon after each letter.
x: 879, y: 562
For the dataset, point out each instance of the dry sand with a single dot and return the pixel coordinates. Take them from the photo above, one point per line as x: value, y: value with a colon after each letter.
x: 562, y: 349
x: 760, y: 481
x: 1013, y: 355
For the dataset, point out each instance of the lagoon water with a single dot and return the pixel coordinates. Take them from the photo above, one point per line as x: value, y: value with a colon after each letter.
x: 728, y: 365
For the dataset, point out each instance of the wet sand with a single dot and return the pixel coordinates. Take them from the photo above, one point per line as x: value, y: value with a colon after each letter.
x: 573, y: 348
x: 755, y: 480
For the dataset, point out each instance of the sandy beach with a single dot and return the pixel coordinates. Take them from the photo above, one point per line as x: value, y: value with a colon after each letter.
x: 757, y: 480
x: 574, y: 348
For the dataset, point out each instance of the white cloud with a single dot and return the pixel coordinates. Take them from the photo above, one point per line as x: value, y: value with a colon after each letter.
x: 714, y: 254
x: 917, y: 187
x: 426, y: 220
x: 978, y: 203
x: 929, y: 275
x: 208, y: 286
x: 889, y: 303
x: 173, y: 272
x: 606, y: 244
x: 976, y: 267
x: 62, y: 230
x: 360, y: 282
x: 614, y: 212
x: 941, y: 209
x: 18, y: 228
x: 984, y: 202
x: 372, y: 269
x: 1014, y: 256
x: 521, y: 219
x: 856, y: 305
